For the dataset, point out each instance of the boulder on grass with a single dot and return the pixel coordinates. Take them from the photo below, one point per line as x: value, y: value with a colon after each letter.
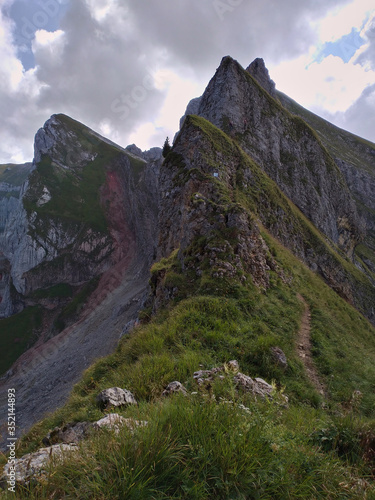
x: 173, y: 388
x: 114, y: 421
x: 35, y: 465
x: 70, y: 433
x: 116, y: 397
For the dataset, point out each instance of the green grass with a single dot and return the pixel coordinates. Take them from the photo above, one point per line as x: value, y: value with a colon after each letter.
x: 75, y: 306
x: 75, y: 191
x: 73, y: 198
x: 339, y: 142
x: 199, y: 449
x: 62, y: 290
x: 14, y: 174
x: 17, y: 334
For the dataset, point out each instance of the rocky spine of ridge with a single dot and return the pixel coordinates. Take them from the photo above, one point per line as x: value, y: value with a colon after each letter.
x: 200, y: 217
x: 285, y: 147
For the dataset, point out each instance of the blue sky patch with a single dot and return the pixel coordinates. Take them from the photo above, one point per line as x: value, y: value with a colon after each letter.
x: 30, y: 16
x: 345, y: 47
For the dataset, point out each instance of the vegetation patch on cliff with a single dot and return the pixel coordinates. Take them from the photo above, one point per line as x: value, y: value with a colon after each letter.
x: 17, y: 334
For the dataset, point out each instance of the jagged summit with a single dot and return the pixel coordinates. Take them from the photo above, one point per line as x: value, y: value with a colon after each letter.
x: 258, y: 70
x: 284, y: 146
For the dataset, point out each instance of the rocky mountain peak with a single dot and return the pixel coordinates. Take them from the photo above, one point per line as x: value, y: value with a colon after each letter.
x: 65, y: 141
x: 258, y: 70
x: 285, y: 147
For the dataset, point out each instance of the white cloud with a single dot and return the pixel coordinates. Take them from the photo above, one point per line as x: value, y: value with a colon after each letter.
x: 331, y: 85
x: 45, y: 38
x: 341, y: 20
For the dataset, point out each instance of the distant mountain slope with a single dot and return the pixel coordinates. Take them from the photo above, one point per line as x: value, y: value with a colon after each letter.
x: 82, y: 234
x: 356, y: 159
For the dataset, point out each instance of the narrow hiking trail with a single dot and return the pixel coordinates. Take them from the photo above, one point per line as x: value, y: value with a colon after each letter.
x: 304, y: 348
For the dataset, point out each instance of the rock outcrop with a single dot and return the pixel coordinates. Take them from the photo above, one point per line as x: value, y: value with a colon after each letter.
x: 13, y: 182
x: 115, y: 396
x: 284, y: 146
x: 258, y: 70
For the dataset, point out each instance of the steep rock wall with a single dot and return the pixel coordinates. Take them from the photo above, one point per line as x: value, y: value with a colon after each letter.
x: 285, y: 147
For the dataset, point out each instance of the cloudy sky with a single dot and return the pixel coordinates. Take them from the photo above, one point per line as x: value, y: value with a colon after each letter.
x: 127, y: 68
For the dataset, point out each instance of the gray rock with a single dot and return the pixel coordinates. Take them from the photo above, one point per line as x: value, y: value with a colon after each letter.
x: 233, y: 366
x: 191, y: 109
x: 116, y: 397
x: 135, y: 150
x: 70, y: 433
x: 258, y: 386
x: 258, y: 70
x: 34, y: 465
x: 153, y: 154
x: 279, y: 357
x: 173, y: 388
x: 114, y: 422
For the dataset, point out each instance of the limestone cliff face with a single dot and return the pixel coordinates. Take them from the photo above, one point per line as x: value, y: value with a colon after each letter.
x: 284, y: 146
x: 86, y: 206
x: 78, y: 245
x: 13, y: 182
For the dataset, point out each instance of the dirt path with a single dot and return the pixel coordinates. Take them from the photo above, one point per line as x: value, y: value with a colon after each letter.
x: 304, y: 349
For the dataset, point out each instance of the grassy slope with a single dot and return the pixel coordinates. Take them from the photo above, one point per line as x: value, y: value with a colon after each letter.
x: 200, y: 448
x: 263, y: 198
x: 196, y: 448
x: 81, y: 186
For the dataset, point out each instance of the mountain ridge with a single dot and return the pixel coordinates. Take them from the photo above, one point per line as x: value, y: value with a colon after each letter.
x: 230, y: 254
